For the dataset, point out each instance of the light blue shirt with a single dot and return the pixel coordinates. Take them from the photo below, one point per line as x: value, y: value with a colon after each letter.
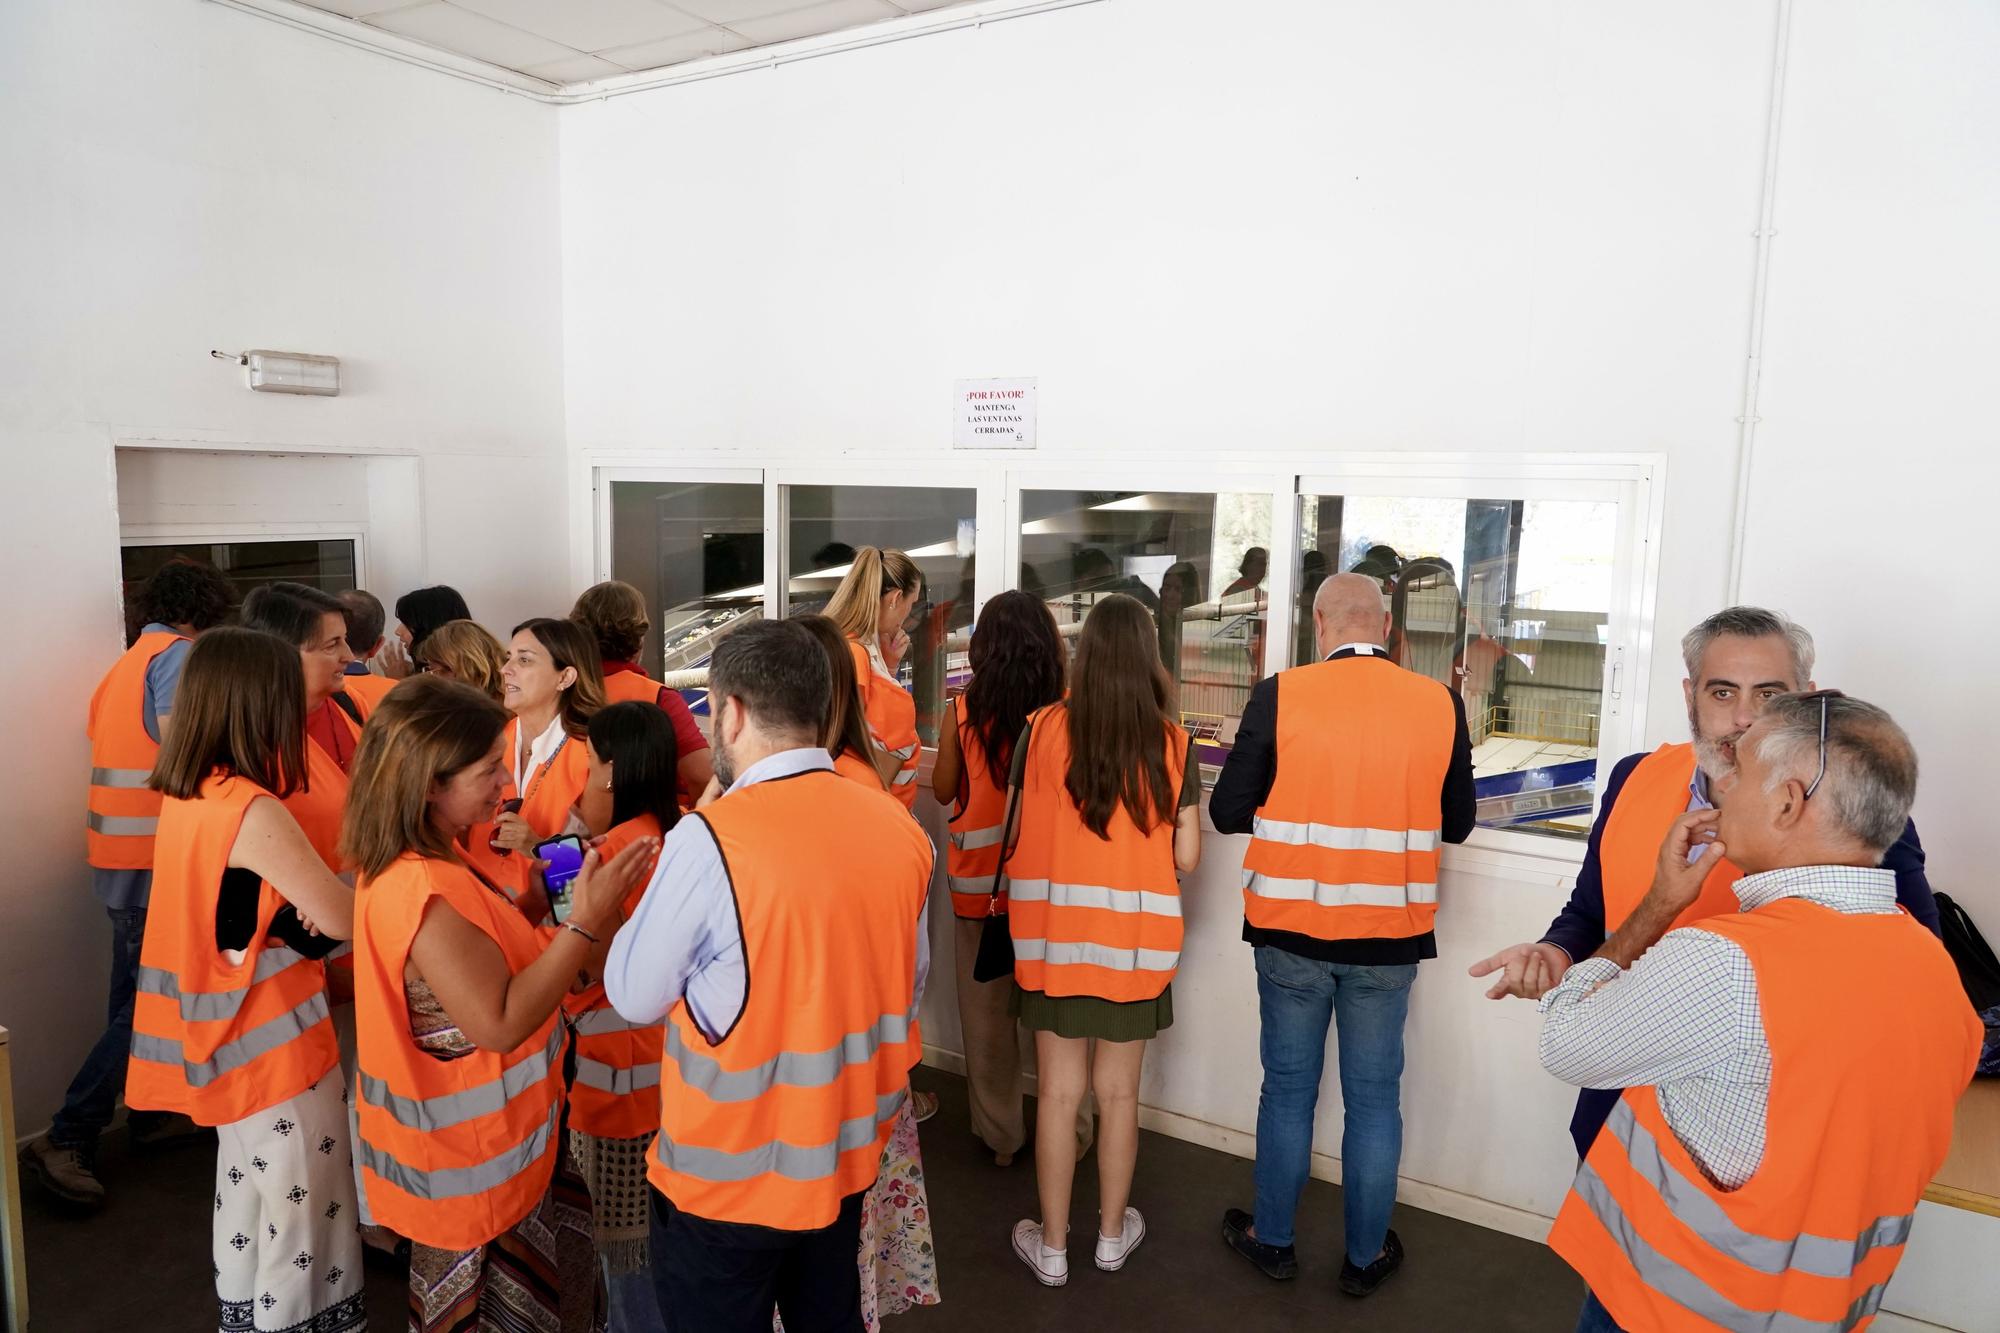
x: 684, y: 940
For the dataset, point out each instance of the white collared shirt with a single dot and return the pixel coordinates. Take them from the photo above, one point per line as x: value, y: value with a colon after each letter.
x: 542, y: 749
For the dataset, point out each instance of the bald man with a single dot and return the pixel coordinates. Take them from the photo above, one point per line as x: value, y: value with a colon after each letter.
x: 1347, y: 774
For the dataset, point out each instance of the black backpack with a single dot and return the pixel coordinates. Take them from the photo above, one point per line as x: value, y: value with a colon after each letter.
x: 1979, y: 970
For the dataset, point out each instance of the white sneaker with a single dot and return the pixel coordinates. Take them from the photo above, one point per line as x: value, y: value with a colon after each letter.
x: 1051, y: 1266
x: 1112, y: 1251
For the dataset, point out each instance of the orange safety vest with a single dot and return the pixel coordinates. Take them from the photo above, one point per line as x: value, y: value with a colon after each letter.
x: 1655, y: 794
x: 1346, y: 845
x: 124, y: 813
x: 787, y: 1113
x: 215, y: 1039
x: 1090, y: 915
x: 892, y: 722
x: 452, y: 1152
x: 1872, y: 1042
x: 368, y: 691
x: 318, y: 807
x: 860, y: 769
x: 978, y: 824
x: 617, y: 1090
x: 631, y: 687
x: 553, y: 789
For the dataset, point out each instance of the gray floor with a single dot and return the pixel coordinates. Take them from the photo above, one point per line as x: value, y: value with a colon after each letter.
x: 143, y: 1262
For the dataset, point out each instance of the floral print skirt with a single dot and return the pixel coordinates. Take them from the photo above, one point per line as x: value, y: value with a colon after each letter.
x: 898, y: 1259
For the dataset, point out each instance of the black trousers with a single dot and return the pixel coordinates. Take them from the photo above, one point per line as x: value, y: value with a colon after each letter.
x: 727, y: 1277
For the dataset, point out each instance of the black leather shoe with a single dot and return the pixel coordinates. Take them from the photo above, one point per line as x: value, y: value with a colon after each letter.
x: 1363, y: 1281
x: 1279, y: 1262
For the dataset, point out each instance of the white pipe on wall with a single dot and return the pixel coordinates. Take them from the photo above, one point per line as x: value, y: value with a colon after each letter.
x: 1760, y: 284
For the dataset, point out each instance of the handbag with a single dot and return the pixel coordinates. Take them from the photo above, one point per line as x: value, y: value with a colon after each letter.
x: 1979, y: 970
x: 996, y: 939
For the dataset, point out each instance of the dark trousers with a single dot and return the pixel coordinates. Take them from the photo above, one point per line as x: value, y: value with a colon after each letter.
x: 727, y: 1277
x: 93, y: 1095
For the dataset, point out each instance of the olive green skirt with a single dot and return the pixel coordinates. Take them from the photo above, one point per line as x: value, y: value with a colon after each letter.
x: 1088, y: 1016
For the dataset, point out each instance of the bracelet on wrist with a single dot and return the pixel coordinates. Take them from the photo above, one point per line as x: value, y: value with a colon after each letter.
x: 571, y: 925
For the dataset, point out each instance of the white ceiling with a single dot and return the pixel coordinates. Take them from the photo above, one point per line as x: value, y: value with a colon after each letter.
x: 575, y: 41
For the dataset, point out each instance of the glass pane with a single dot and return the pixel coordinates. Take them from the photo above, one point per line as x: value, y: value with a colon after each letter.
x: 324, y: 564
x: 1197, y: 560
x: 695, y: 550
x: 1508, y: 602
x: 934, y: 526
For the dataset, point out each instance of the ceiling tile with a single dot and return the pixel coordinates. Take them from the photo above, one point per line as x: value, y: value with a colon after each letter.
x: 707, y: 42
x: 576, y: 69
x: 588, y: 25
x: 831, y: 16
x: 731, y: 12
x: 356, y: 9
x: 919, y: 6
x: 470, y: 34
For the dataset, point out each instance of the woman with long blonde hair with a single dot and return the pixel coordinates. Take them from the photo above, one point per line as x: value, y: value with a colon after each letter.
x: 870, y: 606
x: 463, y: 650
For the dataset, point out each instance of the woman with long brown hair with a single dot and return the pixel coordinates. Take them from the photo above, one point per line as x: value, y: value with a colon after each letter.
x: 1019, y: 665
x: 551, y: 683
x: 614, y: 614
x: 1107, y: 792
x: 232, y: 1026
x: 458, y: 997
x: 870, y: 606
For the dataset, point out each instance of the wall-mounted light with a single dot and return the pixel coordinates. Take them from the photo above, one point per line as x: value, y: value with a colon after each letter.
x: 288, y: 372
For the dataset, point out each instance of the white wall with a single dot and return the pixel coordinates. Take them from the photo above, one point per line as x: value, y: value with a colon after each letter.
x: 1326, y: 227
x: 181, y: 177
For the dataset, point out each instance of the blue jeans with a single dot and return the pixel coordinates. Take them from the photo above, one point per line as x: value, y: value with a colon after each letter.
x: 93, y: 1095
x: 1297, y: 999
x: 1595, y: 1318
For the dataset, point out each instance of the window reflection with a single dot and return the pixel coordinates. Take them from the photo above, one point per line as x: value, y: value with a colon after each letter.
x: 935, y: 527
x: 1198, y: 561
x: 695, y: 552
x: 1508, y: 603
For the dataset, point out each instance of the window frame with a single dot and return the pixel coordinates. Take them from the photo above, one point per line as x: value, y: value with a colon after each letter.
x: 1628, y: 481
x: 1634, y: 480
x: 176, y: 534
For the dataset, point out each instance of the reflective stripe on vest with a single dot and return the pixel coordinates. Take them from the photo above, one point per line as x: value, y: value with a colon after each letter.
x: 1068, y: 953
x: 788, y: 1069
x: 1337, y: 838
x: 1094, y: 895
x: 1337, y: 895
x: 975, y: 886
x: 260, y: 1040
x: 1821, y: 1256
x: 613, y: 1080
x: 123, y: 826
x: 790, y: 1160
x: 972, y: 839
x: 458, y: 1181
x: 121, y: 779
x: 1674, y: 1281
x: 904, y: 777
x: 455, y: 1108
x: 605, y: 1020
x: 216, y: 1006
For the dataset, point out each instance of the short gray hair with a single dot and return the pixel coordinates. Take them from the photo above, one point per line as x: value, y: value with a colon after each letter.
x: 1871, y: 767
x: 1750, y: 622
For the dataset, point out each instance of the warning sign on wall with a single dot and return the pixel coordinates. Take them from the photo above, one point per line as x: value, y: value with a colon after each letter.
x: 993, y: 414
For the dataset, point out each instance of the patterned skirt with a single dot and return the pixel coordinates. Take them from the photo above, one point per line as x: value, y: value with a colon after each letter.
x: 540, y: 1277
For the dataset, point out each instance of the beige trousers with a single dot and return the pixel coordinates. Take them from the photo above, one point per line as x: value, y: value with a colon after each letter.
x: 993, y: 1055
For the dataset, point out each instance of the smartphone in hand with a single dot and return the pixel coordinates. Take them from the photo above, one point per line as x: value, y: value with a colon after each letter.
x: 564, y: 856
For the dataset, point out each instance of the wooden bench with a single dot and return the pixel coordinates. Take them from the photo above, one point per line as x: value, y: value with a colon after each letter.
x: 1970, y: 1178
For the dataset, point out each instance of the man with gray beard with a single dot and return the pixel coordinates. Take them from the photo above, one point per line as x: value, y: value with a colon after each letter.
x: 1738, y: 660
